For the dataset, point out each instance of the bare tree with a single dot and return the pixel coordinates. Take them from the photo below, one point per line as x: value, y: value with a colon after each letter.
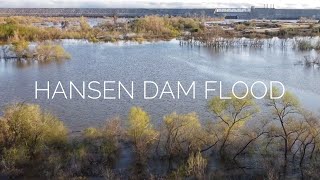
x: 281, y: 110
x: 232, y: 115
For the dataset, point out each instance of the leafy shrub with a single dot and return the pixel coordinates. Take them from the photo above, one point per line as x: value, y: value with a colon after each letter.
x: 50, y: 52
x: 181, y: 134
x: 27, y: 132
x: 140, y: 131
x: 240, y: 27
x: 96, y: 151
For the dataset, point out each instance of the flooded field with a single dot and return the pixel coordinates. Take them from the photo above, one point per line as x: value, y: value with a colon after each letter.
x: 158, y: 62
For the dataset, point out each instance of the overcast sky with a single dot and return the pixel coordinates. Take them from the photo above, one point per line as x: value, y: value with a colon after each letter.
x: 159, y: 3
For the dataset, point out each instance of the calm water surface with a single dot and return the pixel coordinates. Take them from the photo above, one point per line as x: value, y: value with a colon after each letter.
x: 159, y: 62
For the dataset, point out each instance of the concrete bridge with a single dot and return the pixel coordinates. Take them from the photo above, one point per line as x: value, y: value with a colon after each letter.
x: 103, y: 12
x: 268, y: 13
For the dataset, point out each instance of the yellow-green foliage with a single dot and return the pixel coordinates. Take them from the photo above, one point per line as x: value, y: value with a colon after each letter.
x: 34, y: 143
x: 84, y: 24
x: 288, y: 126
x: 186, y: 24
x: 20, y: 47
x: 44, y: 52
x: 193, y: 168
x: 140, y: 130
x: 95, y: 141
x: 106, y: 139
x: 288, y: 100
x: 155, y: 25
x: 282, y: 109
x: 232, y: 114
x: 107, y: 136
x: 27, y: 32
x: 32, y: 33
x: 240, y: 27
x: 51, y: 52
x: 6, y: 31
x: 234, y: 110
x: 13, y: 158
x: 149, y: 27
x: 26, y: 131
x: 91, y: 133
x: 196, y: 165
x: 97, y: 149
x: 22, y: 20
x: 181, y: 133
x: 20, y: 35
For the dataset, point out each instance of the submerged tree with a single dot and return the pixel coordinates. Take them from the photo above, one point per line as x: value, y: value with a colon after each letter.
x: 249, y: 135
x: 26, y: 132
x: 42, y: 52
x: 231, y: 115
x: 46, y: 52
x: 282, y: 109
x: 196, y: 165
x: 97, y: 150
x: 20, y: 46
x: 181, y: 134
x: 140, y: 131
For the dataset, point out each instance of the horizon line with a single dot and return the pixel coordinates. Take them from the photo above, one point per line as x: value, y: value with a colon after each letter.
x: 147, y: 8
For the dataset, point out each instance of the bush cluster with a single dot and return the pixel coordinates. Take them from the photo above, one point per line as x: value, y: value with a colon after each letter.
x: 34, y: 143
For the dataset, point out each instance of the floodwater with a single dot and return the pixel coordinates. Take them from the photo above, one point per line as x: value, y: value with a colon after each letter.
x: 158, y: 62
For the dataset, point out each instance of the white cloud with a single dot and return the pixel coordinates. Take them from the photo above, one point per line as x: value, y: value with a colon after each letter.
x: 158, y: 3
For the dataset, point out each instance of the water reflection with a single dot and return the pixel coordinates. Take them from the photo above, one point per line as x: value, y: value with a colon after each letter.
x: 22, y: 64
x: 159, y: 62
